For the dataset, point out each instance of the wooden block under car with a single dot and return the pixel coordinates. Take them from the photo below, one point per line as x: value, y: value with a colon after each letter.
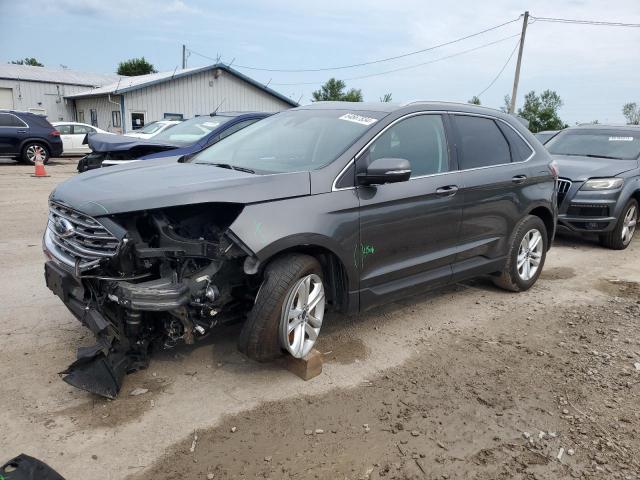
x: 306, y: 367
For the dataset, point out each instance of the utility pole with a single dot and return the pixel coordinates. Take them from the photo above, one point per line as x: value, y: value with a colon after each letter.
x: 184, y: 56
x: 514, y: 93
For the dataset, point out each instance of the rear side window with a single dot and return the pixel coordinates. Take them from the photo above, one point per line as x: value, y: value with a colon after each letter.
x: 520, y: 151
x: 81, y: 129
x: 482, y: 142
x: 64, y: 129
x: 9, y: 120
x: 420, y: 139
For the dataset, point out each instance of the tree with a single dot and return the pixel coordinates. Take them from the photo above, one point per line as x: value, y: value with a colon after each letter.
x: 334, y: 90
x: 28, y: 61
x: 506, y: 104
x: 475, y: 100
x: 135, y: 66
x: 386, y: 98
x: 631, y: 111
x: 542, y: 111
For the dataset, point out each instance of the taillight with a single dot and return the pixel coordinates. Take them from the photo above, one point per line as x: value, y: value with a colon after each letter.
x: 554, y: 169
x: 55, y: 133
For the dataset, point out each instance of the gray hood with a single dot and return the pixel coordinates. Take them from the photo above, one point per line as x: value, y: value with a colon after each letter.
x: 160, y: 183
x: 580, y: 168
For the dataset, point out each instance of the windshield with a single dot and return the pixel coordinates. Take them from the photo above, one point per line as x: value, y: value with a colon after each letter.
x: 150, y: 127
x: 291, y: 141
x: 190, y: 131
x: 616, y: 144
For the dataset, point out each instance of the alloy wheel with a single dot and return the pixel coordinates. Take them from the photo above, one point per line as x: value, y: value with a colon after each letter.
x: 530, y: 254
x: 629, y: 224
x: 36, y: 153
x: 302, y: 315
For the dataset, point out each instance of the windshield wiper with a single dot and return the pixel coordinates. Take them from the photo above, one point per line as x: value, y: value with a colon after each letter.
x: 602, y: 156
x: 229, y: 166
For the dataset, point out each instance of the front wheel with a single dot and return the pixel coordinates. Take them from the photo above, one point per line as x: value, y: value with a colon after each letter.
x: 620, y: 237
x: 527, y: 253
x: 288, y: 310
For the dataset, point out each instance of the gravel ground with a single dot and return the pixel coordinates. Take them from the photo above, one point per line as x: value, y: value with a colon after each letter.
x: 465, y: 382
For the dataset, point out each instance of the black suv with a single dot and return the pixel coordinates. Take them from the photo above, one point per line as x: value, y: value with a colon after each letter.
x: 28, y: 137
x: 332, y: 205
x: 599, y: 188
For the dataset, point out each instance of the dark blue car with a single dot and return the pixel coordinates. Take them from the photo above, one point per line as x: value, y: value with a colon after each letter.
x: 28, y: 137
x: 186, y: 138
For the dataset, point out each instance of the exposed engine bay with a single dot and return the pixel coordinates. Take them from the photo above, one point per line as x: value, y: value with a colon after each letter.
x: 143, y: 281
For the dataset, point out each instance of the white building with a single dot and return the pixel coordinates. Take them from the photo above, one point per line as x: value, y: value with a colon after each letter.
x: 131, y: 102
x: 42, y: 90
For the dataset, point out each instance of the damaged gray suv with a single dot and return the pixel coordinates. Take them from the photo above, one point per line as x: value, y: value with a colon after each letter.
x: 339, y: 206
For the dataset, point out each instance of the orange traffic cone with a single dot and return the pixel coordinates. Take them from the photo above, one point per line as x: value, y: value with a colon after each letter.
x: 40, y: 171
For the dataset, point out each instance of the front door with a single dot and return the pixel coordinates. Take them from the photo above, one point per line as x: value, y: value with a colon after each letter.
x: 79, y: 134
x: 495, y: 174
x: 408, y: 230
x: 66, y: 135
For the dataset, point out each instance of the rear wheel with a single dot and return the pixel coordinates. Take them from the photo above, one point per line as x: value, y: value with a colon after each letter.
x: 620, y: 237
x: 34, y: 151
x: 288, y: 310
x: 526, y: 257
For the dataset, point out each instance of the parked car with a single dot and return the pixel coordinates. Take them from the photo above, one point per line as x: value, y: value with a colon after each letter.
x: 28, y: 137
x: 599, y: 188
x: 546, y: 135
x: 189, y: 137
x: 152, y: 129
x: 73, y: 135
x: 335, y: 205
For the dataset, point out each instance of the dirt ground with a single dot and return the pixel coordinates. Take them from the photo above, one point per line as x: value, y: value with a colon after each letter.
x: 468, y: 382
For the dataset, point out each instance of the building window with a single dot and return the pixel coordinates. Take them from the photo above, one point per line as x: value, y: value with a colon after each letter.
x: 94, y: 117
x: 174, y: 116
x: 137, y: 120
x: 115, y: 118
x: 80, y: 116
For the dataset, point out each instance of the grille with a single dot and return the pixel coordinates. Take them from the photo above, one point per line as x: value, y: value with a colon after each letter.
x: 588, y: 211
x: 563, y: 187
x: 77, y: 239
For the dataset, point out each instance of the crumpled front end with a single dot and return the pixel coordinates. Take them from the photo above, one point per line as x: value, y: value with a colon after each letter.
x: 144, y: 280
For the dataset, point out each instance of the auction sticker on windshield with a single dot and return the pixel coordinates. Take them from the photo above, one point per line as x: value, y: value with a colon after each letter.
x: 352, y: 117
x: 621, y: 139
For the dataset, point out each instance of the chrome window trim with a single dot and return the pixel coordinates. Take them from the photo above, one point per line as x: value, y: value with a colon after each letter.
x: 435, y: 112
x: 14, y: 115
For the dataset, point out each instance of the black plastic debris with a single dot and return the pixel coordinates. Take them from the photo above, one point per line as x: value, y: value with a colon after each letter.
x: 98, y: 370
x: 24, y: 467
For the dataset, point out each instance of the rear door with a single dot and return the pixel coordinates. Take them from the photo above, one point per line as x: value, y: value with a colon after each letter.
x: 79, y: 134
x: 12, y: 132
x: 408, y: 230
x: 66, y: 135
x: 492, y: 158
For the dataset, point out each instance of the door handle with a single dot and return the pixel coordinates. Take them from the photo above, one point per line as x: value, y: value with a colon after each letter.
x: 447, y: 191
x: 519, y: 179
x: 22, y: 131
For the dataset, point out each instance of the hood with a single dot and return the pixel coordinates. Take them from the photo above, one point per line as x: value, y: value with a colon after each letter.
x: 101, y: 142
x: 580, y: 168
x: 165, y: 183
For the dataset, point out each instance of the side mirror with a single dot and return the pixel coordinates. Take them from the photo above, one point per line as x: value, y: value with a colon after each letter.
x: 385, y: 170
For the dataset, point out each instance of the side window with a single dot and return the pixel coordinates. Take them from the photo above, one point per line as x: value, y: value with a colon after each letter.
x: 81, y: 129
x: 64, y: 129
x: 236, y: 128
x: 482, y: 142
x: 6, y: 120
x: 520, y: 151
x: 420, y: 139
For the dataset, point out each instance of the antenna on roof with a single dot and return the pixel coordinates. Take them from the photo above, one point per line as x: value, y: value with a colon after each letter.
x: 301, y: 95
x: 212, y: 114
x: 267, y: 84
x: 174, y: 72
x: 232, y: 60
x: 117, y: 86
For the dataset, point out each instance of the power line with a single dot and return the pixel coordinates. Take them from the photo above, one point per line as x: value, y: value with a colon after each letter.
x: 362, y: 64
x: 409, y: 66
x: 585, y: 22
x: 501, y: 70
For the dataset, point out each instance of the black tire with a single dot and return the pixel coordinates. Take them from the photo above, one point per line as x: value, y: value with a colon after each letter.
x: 613, y: 239
x: 259, y: 336
x: 509, y: 278
x: 25, y: 152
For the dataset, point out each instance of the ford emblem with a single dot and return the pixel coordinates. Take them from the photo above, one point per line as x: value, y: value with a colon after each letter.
x: 63, y: 227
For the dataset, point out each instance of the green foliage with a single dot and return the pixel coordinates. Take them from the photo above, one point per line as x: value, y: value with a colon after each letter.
x: 386, y: 98
x: 542, y: 111
x: 475, y: 100
x: 506, y: 104
x: 135, y: 66
x: 631, y: 111
x: 333, y: 90
x: 28, y: 61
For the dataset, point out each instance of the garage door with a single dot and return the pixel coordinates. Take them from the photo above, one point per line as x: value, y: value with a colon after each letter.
x: 6, y: 98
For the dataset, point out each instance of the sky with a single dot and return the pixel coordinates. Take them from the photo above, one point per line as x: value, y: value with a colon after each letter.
x: 593, y: 68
